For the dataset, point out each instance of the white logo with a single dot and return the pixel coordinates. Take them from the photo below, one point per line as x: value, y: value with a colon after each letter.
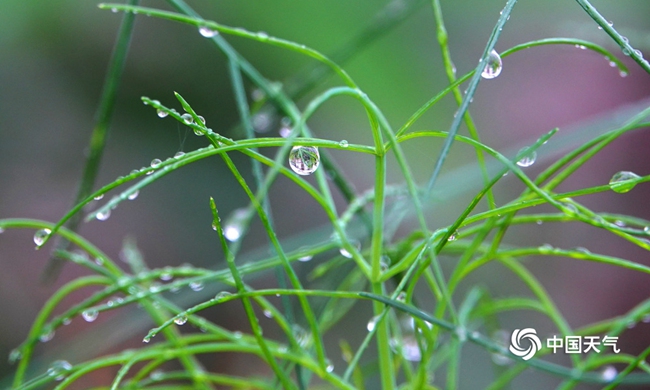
x: 515, y: 343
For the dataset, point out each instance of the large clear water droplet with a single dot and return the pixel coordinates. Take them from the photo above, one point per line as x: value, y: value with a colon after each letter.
x: 58, y: 369
x: 161, y: 113
x: 180, y: 320
x: 344, y: 144
x: 372, y: 323
x: 40, y: 236
x: 187, y: 118
x: 528, y: 159
x: 407, y: 347
x: 234, y: 226
x: 196, y: 286
x: 304, y: 160
x: 155, y: 163
x: 99, y: 197
x: 623, y: 181
x: 179, y: 154
x: 133, y: 195
x: 207, y: 32
x: 493, y: 66
x: 90, y: 315
x: 303, y: 337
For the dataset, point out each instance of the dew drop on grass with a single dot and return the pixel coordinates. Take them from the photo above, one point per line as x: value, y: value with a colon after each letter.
x: 222, y: 295
x: 372, y: 323
x: 268, y: 313
x: 146, y: 339
x: 330, y: 367
x: 303, y: 337
x: 2, y: 230
x: 46, y: 336
x: 161, y: 113
x: 304, y: 160
x: 103, y: 215
x: 15, y: 355
x: 453, y: 236
x: 623, y: 73
x: 261, y: 121
x: 179, y: 154
x: 58, y: 369
x: 305, y: 258
x: 90, y: 315
x: 646, y: 318
x: 623, y: 181
x: 187, y: 118
x: 608, y: 373
x: 133, y: 195
x: 528, y: 159
x: 207, y: 32
x: 40, y: 236
x: 344, y: 252
x: 99, y: 197
x: 410, y: 349
x: 263, y: 35
x: 180, y: 320
x: 344, y: 144
x: 401, y: 297
x: 234, y: 226
x: 196, y: 286
x: 493, y: 66
x: 155, y: 163
x: 546, y: 249
x: 501, y: 338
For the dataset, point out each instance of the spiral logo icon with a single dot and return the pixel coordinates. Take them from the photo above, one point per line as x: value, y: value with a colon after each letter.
x: 534, y: 343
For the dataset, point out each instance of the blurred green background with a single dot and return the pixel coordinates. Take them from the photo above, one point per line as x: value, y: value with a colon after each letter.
x: 53, y: 59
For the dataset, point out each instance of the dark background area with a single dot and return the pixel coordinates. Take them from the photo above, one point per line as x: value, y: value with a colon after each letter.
x: 53, y: 59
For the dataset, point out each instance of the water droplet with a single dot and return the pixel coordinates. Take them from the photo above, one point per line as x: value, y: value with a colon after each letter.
x: 344, y: 252
x: 330, y: 367
x: 66, y: 321
x: 196, y: 286
x: 90, y: 315
x: 344, y: 144
x: 493, y: 66
x: 180, y: 319
x: 583, y: 250
x: 306, y: 258
x: 179, y: 154
x: 99, y: 197
x: 303, y: 338
x: 372, y: 323
x: 58, y: 369
x: 623, y: 181
x: 408, y: 348
x: 2, y: 230
x: 103, y: 215
x: 401, y: 297
x: 161, y: 113
x: 222, y: 295
x: 608, y: 373
x: 157, y: 375
x: 612, y: 63
x: 539, y: 222
x: 546, y: 249
x: 268, y: 313
x: 133, y: 195
x: 453, y: 237
x: 202, y: 119
x: 631, y: 324
x: 263, y: 35
x: 262, y: 121
x: 166, y: 275
x: 187, y: 118
x: 610, y: 23
x: 623, y: 73
x: 234, y: 226
x: 304, y: 160
x: 47, y: 335
x: 646, y: 318
x: 15, y: 355
x: 146, y: 339
x: 155, y: 163
x: 581, y: 47
x: 114, y: 10
x: 528, y: 159
x: 502, y: 339
x: 207, y: 32
x: 40, y: 236
x: 154, y: 288
x: 110, y: 303
x: 284, y: 131
x: 257, y: 95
